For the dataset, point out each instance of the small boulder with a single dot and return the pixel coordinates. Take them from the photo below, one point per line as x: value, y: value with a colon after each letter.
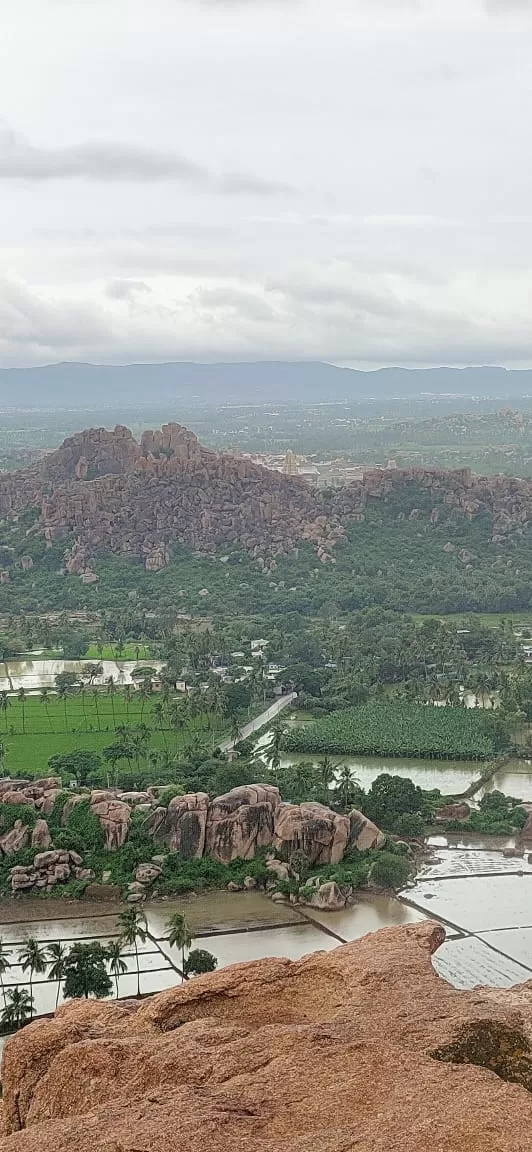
x: 83, y: 873
x: 16, y: 839
x: 147, y: 873
x: 232, y: 887
x: 329, y: 897
x: 250, y: 883
x: 453, y: 812
x: 279, y: 898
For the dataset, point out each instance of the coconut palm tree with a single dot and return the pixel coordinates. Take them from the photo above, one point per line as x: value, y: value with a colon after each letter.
x: 115, y: 959
x: 272, y: 750
x: 96, y: 709
x: 34, y: 958
x: 57, y: 955
x: 5, y: 703
x: 346, y: 782
x: 19, y: 1009
x: 111, y: 689
x: 44, y: 696
x: 179, y: 936
x: 133, y: 927
x: 21, y: 694
x: 5, y: 964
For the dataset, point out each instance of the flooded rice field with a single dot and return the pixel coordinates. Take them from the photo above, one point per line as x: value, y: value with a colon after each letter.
x: 485, y: 901
x: 33, y: 674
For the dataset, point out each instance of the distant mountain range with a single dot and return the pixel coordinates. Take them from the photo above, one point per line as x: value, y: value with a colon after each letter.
x: 97, y: 385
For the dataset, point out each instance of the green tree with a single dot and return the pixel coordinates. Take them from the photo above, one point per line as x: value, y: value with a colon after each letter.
x: 57, y: 954
x: 18, y: 1010
x: 5, y: 965
x: 86, y: 972
x: 179, y: 936
x: 115, y: 959
x: 133, y: 927
x: 199, y: 961
x: 81, y: 762
x: 33, y: 958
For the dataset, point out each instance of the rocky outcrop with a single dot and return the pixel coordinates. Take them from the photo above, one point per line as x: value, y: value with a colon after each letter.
x: 47, y: 870
x: 16, y: 839
x: 362, y: 1047
x: 104, y: 490
x: 114, y: 817
x: 182, y: 826
x: 456, y: 493
x: 363, y: 834
x: 312, y: 828
x: 40, y: 837
x: 241, y: 822
x: 234, y: 826
x: 40, y: 794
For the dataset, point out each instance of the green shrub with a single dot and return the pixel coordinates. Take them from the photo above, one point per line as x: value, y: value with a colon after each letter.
x: 85, y: 825
x: 10, y: 813
x: 390, y: 871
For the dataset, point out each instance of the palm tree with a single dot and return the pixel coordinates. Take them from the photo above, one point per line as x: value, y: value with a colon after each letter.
x: 57, y: 955
x: 22, y: 697
x: 133, y: 927
x: 115, y: 960
x: 3, y: 752
x: 19, y: 1009
x: 5, y: 703
x: 4, y: 965
x: 179, y: 936
x: 327, y: 771
x: 346, y: 782
x: 236, y: 734
x: 128, y: 693
x: 63, y: 692
x: 83, y: 695
x: 44, y: 697
x: 111, y: 689
x: 34, y: 958
x: 273, y: 748
x: 96, y: 709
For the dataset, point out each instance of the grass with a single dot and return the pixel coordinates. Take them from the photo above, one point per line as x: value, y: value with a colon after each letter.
x: 90, y: 724
x: 488, y: 619
x: 127, y: 652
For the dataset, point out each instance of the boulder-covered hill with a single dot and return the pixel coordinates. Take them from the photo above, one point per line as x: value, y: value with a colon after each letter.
x: 104, y: 491
x: 359, y: 1049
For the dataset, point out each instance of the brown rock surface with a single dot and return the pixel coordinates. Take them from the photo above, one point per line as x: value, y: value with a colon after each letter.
x: 318, y: 831
x: 182, y: 826
x: 17, y: 838
x: 241, y: 822
x: 40, y: 837
x: 363, y: 833
x: 360, y: 1048
x: 114, y: 818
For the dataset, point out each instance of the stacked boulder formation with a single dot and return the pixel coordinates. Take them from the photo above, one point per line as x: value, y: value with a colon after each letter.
x: 235, y: 826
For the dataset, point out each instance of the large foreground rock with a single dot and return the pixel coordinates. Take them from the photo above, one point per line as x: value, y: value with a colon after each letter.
x: 319, y: 832
x: 241, y: 822
x: 359, y: 1049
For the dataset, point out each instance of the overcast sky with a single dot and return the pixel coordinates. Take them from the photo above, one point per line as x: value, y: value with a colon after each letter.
x: 348, y: 180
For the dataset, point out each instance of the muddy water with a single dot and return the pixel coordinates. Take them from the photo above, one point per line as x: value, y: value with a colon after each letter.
x: 34, y: 674
x: 450, y: 776
x: 234, y: 927
x: 487, y: 899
